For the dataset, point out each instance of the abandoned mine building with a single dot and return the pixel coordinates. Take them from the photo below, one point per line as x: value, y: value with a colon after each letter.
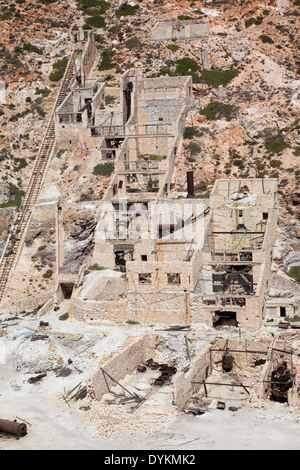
x: 175, y: 259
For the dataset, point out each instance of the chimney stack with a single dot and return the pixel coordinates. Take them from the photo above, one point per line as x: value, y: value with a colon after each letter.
x: 190, y: 184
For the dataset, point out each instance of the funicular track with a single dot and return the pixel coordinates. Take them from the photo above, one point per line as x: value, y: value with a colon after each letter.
x: 18, y: 230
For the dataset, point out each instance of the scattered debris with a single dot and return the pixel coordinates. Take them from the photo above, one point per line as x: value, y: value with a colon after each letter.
x: 63, y: 371
x: 221, y: 405
x: 36, y: 337
x: 233, y: 408
x: 281, y: 381
x: 36, y: 379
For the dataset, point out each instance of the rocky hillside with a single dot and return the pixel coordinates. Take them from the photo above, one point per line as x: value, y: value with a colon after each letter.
x: 246, y: 122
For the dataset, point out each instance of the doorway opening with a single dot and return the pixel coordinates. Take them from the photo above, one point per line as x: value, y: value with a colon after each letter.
x: 66, y: 289
x: 224, y: 319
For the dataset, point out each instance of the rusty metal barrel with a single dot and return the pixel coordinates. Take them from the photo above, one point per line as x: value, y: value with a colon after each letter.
x: 227, y: 361
x: 13, y: 427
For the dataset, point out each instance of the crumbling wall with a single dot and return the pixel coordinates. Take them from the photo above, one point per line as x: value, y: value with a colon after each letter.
x: 199, y: 369
x: 95, y: 312
x: 125, y: 362
x: 187, y: 29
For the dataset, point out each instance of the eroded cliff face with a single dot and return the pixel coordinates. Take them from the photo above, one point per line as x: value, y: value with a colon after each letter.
x: 245, y: 122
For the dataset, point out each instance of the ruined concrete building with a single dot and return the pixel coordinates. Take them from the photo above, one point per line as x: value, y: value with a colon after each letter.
x: 170, y: 259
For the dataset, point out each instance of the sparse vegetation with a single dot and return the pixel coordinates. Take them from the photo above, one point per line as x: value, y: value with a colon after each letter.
x: 173, y: 47
x: 186, y: 66
x: 48, y: 274
x: 106, y: 60
x: 193, y: 148
x: 191, y: 132
x: 63, y: 317
x: 96, y: 21
x: 132, y: 43
x: 215, y: 110
x: 275, y: 163
x: 219, y: 77
x: 96, y: 267
x: 266, y: 39
x: 15, y: 197
x: 31, y: 48
x: 103, y: 169
x: 157, y: 157
x: 294, y: 272
x: 109, y: 99
x: 251, y: 21
x: 59, y: 70
x: 126, y: 10
x: 276, y: 144
x: 93, y: 7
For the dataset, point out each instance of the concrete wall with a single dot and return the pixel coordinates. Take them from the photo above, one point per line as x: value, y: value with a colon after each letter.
x: 186, y: 29
x: 200, y: 368
x: 125, y: 362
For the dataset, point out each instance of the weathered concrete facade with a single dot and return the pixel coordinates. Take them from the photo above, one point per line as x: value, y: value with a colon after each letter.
x: 182, y: 30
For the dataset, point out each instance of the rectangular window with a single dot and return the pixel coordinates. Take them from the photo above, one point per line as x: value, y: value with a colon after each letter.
x: 265, y: 215
x: 144, y: 257
x: 173, y: 278
x: 145, y: 278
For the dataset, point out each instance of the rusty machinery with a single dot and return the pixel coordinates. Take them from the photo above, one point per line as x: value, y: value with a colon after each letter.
x: 281, y: 381
x: 13, y: 427
x: 166, y: 371
x: 227, y: 361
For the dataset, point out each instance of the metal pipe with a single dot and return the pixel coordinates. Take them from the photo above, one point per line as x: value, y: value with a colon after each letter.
x: 13, y: 427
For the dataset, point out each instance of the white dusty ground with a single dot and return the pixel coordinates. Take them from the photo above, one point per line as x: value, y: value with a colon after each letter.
x: 53, y: 424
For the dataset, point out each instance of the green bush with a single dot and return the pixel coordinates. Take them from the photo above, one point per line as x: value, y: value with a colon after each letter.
x: 215, y: 110
x: 157, y: 157
x: 93, y: 6
x: 96, y: 21
x: 48, y: 274
x: 186, y: 66
x: 96, y: 267
x: 42, y: 91
x: 20, y: 164
x: 31, y: 48
x: 218, y: 77
x: 190, y: 132
x: 103, y: 169
x: 194, y: 148
x: 106, y: 63
x: 266, y: 39
x: 276, y: 144
x: 109, y: 99
x: 173, y: 47
x: 184, y: 17
x: 275, y: 163
x: 15, y: 197
x: 64, y: 316
x: 294, y: 272
x: 99, y: 38
x: 252, y: 21
x: 132, y: 43
x: 59, y: 70
x: 126, y: 10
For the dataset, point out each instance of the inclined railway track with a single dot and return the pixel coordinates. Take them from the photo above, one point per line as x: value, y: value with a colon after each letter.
x: 20, y: 223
